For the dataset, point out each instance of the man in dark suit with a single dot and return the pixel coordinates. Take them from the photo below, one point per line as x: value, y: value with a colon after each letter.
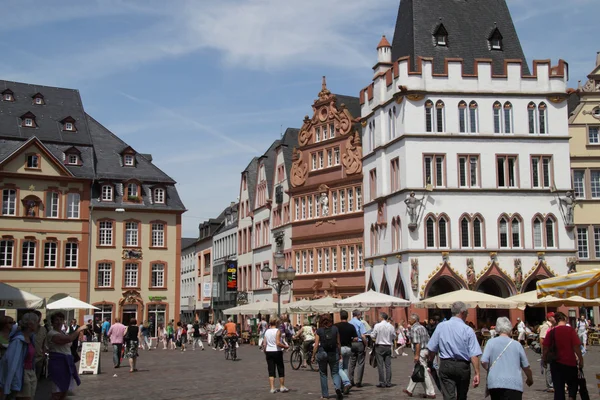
x: 74, y: 346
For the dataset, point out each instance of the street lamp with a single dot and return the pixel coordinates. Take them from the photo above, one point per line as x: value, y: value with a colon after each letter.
x: 285, y: 277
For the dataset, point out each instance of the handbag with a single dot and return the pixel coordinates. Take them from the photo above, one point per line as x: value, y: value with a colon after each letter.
x: 418, y: 374
x: 551, y: 355
x: 487, y: 390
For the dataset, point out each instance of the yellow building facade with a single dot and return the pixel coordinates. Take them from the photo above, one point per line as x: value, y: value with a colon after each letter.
x: 584, y: 129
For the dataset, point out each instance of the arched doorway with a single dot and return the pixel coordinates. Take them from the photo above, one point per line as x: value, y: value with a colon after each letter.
x: 535, y: 315
x: 443, y: 284
x: 494, y: 286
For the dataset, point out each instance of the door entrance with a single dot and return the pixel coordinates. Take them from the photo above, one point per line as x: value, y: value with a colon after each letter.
x: 129, y: 313
x: 156, y: 316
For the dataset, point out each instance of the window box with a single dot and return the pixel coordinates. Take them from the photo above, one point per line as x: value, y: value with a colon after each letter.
x: 133, y: 199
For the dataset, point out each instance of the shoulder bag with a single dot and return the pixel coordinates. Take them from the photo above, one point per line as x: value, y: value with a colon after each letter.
x: 487, y: 390
x: 551, y: 353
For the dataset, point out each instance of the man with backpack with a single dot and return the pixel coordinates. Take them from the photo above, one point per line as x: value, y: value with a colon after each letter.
x: 384, y: 335
x: 326, y: 352
x: 196, y: 336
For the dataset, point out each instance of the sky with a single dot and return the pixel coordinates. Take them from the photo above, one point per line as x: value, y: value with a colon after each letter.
x: 204, y: 86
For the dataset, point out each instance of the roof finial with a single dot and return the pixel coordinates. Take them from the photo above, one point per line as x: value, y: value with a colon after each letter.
x: 324, y: 83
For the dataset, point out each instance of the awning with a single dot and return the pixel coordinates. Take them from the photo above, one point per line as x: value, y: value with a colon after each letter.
x: 585, y: 284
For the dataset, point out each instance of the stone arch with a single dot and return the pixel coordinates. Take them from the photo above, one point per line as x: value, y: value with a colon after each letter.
x: 371, y: 285
x: 399, y: 288
x: 496, y: 280
x: 444, y: 280
x: 540, y: 272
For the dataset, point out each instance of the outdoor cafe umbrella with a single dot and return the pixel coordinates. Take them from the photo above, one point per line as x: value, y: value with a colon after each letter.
x: 13, y: 298
x: 530, y: 299
x: 371, y: 299
x: 70, y: 303
x: 322, y: 305
x: 471, y: 299
x: 260, y: 307
x: 585, y: 284
x: 297, y: 307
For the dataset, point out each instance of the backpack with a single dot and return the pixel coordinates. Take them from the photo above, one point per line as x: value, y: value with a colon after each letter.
x: 329, y: 339
x: 196, y: 330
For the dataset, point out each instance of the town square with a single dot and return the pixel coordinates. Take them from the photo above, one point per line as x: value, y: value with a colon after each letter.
x: 312, y: 199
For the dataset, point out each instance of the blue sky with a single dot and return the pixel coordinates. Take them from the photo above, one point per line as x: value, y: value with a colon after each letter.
x: 206, y: 85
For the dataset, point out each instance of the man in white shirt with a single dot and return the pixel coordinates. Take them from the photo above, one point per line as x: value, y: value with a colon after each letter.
x: 190, y: 332
x: 582, y: 327
x: 521, y: 331
x: 384, y: 335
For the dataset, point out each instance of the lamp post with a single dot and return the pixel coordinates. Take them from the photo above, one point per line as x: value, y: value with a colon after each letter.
x: 285, y: 277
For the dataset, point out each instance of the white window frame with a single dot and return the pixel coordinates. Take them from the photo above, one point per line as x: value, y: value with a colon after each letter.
x: 28, y: 256
x: 71, y: 254
x: 104, y: 275
x: 159, y: 196
x: 73, y: 159
x: 158, y: 275
x: 33, y: 161
x: 131, y: 234
x: 595, y: 184
x: 52, y: 205
x: 73, y: 203
x: 129, y: 160
x: 158, y: 234
x: 108, y: 193
x: 29, y: 122
x: 7, y: 253
x: 9, y: 202
x: 105, y: 233
x: 69, y: 126
x: 579, y: 184
x: 50, y: 255
x: 583, y: 251
x: 593, y: 134
x: 131, y: 275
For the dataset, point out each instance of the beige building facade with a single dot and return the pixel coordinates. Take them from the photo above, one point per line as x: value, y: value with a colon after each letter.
x: 584, y: 129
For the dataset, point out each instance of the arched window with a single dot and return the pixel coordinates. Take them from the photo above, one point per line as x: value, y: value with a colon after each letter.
x: 371, y: 135
x: 462, y: 116
x: 372, y: 240
x: 473, y: 123
x: 531, y: 117
x: 477, y: 232
x: 392, y: 123
x: 515, y: 230
x: 464, y: 232
x: 393, y: 234
x: 537, y: 233
x: 497, y: 118
x: 429, y: 116
x: 508, y: 118
x: 443, y: 232
x: 550, y: 232
x: 542, y: 109
x: 503, y: 232
x: 439, y: 116
x: 430, y: 232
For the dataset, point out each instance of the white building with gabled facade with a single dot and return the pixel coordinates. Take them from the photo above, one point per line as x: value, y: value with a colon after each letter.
x: 454, y: 115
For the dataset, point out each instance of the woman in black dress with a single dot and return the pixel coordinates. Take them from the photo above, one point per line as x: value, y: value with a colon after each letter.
x: 131, y: 344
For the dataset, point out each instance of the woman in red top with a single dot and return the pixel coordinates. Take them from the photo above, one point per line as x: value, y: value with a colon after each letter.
x: 567, y: 350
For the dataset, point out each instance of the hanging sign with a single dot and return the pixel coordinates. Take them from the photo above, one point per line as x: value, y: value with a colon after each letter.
x: 231, y: 276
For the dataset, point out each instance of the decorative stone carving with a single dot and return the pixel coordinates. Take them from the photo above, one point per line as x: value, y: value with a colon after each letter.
x: 132, y: 254
x: 470, y: 274
x: 414, y: 274
x: 324, y: 200
x: 299, y: 169
x: 315, y: 288
x: 518, y: 275
x: 493, y: 257
x: 333, y: 285
x: 415, y: 96
x: 567, y: 205
x: 352, y: 158
x: 572, y: 265
x: 413, y: 209
x: 131, y: 297
x: 445, y: 256
x: 306, y: 132
x: 541, y: 256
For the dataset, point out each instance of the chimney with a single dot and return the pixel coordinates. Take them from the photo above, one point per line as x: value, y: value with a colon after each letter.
x: 232, y: 204
x: 597, y: 58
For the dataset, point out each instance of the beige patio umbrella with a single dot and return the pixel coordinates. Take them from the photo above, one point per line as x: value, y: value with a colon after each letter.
x: 530, y: 299
x: 260, y: 307
x: 322, y: 305
x: 471, y: 298
x: 297, y: 307
x: 371, y: 299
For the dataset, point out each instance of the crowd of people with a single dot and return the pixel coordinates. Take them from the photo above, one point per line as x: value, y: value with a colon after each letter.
x: 447, y: 354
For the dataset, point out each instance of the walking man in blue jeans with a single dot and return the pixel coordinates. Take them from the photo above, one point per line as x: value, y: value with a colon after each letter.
x: 326, y: 352
x: 357, y: 357
x: 116, y: 334
x: 384, y: 334
x: 347, y: 337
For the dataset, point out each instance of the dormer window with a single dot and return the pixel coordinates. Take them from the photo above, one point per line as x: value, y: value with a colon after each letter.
x: 107, y: 193
x: 68, y: 124
x: 159, y: 196
x: 8, y: 95
x: 441, y: 36
x: 28, y: 120
x: 128, y: 160
x: 495, y: 40
x: 38, y: 99
x: 73, y: 159
x: 132, y: 190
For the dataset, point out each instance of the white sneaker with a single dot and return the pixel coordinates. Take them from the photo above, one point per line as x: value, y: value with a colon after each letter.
x: 283, y: 389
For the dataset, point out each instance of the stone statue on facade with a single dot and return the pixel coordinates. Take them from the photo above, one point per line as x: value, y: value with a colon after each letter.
x: 571, y: 265
x: 413, y: 207
x: 567, y: 204
x: 470, y: 273
x: 414, y: 274
x: 518, y: 274
x: 324, y: 200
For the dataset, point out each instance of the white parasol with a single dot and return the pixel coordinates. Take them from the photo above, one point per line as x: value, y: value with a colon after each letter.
x: 13, y: 298
x: 371, y: 299
x: 70, y: 303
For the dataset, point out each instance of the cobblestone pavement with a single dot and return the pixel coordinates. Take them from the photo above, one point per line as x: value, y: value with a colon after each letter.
x: 166, y: 374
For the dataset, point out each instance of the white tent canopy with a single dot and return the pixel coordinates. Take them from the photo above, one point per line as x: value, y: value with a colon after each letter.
x: 70, y: 303
x: 13, y: 298
x: 371, y: 299
x: 471, y: 298
x: 260, y: 307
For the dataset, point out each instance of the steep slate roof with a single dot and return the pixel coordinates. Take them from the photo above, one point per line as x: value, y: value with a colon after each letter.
x: 289, y: 140
x: 224, y: 226
x: 269, y: 159
x: 187, y: 242
x: 59, y: 104
x: 352, y: 104
x: 469, y: 24
x: 251, y: 180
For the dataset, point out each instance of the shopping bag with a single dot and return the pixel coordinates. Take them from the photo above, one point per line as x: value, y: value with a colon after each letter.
x: 418, y: 374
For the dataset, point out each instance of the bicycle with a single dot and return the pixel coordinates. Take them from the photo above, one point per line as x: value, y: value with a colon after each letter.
x: 298, y: 355
x: 231, y: 351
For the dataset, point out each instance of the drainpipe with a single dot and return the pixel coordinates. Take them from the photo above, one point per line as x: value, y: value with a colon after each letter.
x: 90, y: 219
